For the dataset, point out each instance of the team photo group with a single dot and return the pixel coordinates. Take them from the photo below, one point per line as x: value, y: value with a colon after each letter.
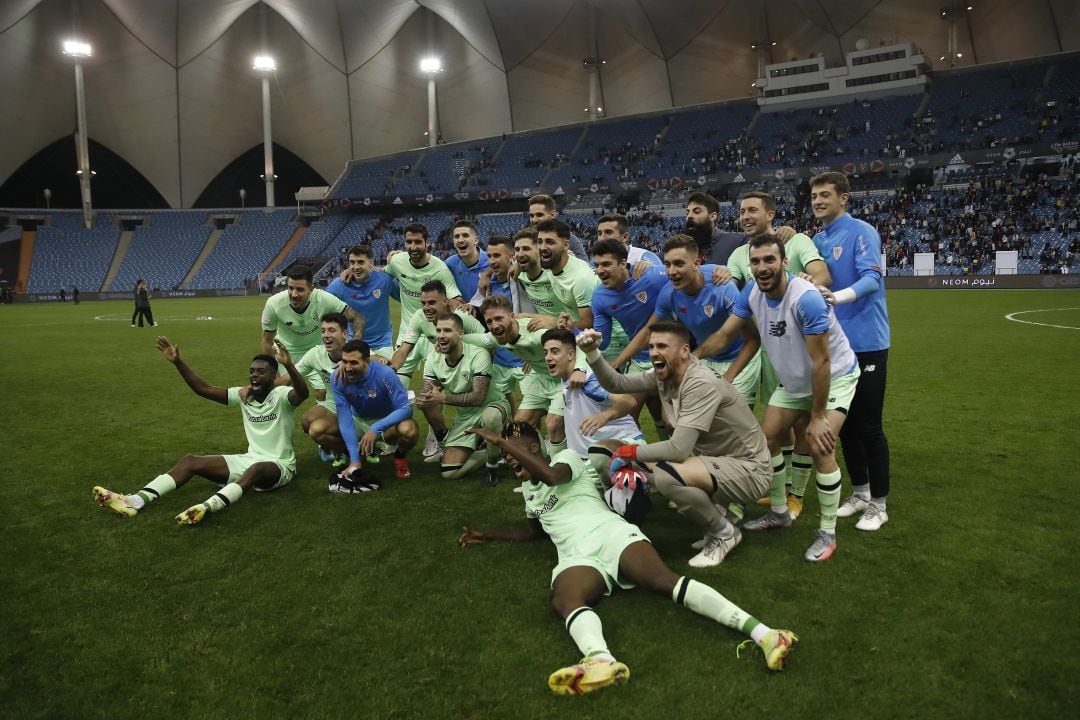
x: 760, y: 358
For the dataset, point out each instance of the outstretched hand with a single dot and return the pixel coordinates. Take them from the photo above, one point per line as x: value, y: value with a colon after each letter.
x: 170, y: 351
x: 588, y: 340
x: 281, y: 354
x: 491, y: 438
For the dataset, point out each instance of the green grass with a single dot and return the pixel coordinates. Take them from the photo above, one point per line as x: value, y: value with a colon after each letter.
x: 301, y: 604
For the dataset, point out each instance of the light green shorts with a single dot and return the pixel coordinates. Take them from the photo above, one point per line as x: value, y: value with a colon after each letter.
x: 636, y: 367
x: 841, y: 391
x: 384, y: 352
x: 540, y: 391
x: 492, y: 416
x: 238, y: 465
x: 505, y: 380
x: 600, y: 548
x: 420, y: 351
x: 746, y: 382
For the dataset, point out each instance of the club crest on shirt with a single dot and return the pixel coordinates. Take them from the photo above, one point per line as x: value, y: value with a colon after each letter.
x: 372, y: 393
x: 376, y: 293
x: 642, y: 297
x: 708, y: 310
x: 837, y: 252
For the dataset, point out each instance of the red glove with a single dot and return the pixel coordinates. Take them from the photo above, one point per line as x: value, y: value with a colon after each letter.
x: 623, y: 456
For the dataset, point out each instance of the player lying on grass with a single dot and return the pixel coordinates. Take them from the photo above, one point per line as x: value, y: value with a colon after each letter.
x: 269, y: 462
x: 597, y: 550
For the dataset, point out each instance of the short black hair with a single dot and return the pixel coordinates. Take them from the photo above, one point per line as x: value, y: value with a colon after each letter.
x: 357, y: 346
x: 300, y: 272
x: 554, y: 225
x: 681, y: 240
x: 609, y: 247
x: 337, y: 318
x: 415, y: 227
x: 436, y: 286
x: 711, y: 204
x: 524, y: 430
x: 268, y: 359
x: 559, y: 335
x: 360, y: 250
x: 767, y: 239
x: 465, y: 224
x: 618, y: 219
x: 453, y: 317
x: 500, y: 240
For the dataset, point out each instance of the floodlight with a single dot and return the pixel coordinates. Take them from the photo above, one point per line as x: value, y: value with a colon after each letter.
x: 77, y: 48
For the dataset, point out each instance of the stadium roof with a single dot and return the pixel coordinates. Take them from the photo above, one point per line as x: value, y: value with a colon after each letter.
x: 170, y: 86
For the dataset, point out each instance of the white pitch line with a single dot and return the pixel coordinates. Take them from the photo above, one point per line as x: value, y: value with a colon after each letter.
x: 1012, y: 316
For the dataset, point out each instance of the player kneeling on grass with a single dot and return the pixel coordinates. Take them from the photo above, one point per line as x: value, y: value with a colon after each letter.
x: 459, y: 375
x: 371, y: 393
x: 717, y: 453
x: 269, y: 463
x: 597, y: 550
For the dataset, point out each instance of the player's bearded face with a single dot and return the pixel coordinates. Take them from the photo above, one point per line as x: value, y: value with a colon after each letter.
x: 768, y: 267
x: 667, y: 354
x: 527, y: 255
x: 354, y: 366
x: 447, y: 338
x: 552, y: 248
x: 416, y: 246
x: 299, y: 293
x: 498, y: 323
x: 753, y: 217
x: 699, y: 224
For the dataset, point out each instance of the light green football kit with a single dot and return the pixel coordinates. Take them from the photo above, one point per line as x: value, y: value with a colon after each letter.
x: 299, y: 332
x: 411, y: 278
x: 457, y: 380
x: 420, y: 333
x: 584, y: 530
x: 268, y: 426
x: 573, y: 289
x: 316, y: 367
x: 539, y: 389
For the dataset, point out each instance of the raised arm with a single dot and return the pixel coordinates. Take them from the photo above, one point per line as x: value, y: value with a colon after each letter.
x: 588, y: 342
x: 299, y: 392
x: 358, y: 322
x: 199, y: 386
x: 268, y: 341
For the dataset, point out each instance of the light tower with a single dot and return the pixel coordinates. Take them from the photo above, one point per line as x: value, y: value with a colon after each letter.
x: 265, y: 66
x: 78, y: 50
x: 431, y: 66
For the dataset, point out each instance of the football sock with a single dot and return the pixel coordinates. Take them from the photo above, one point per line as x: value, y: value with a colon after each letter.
x: 880, y: 502
x: 586, y: 631
x: 453, y: 472
x: 778, y: 487
x: 759, y: 631
x: 787, y: 451
x: 799, y: 473
x: 600, y: 458
x: 705, y: 601
x: 224, y: 497
x: 154, y: 489
x: 828, y: 492
x: 556, y: 447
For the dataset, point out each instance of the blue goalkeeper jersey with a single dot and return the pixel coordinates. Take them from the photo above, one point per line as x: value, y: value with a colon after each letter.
x: 851, y: 249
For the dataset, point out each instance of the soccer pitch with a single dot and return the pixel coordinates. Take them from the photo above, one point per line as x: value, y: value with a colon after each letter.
x: 298, y: 604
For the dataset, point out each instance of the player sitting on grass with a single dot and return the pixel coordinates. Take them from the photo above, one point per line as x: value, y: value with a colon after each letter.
x: 598, y: 549
x: 367, y: 394
x: 459, y: 375
x: 269, y: 461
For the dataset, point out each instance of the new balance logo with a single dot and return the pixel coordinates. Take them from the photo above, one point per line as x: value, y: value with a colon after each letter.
x: 777, y: 329
x: 869, y: 368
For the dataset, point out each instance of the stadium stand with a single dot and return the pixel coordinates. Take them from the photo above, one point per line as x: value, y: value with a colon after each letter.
x: 67, y: 254
x: 244, y: 249
x: 162, y: 250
